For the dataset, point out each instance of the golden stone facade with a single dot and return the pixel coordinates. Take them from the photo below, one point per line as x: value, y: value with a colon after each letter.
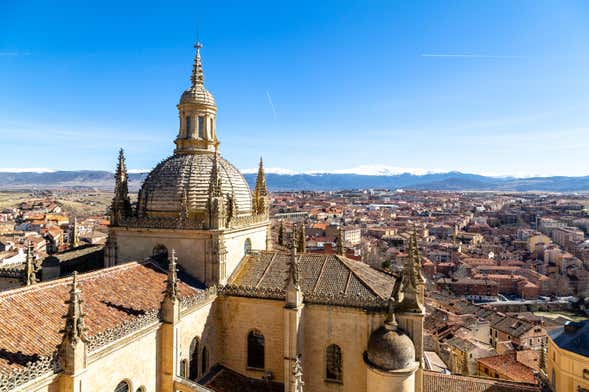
x: 193, y: 298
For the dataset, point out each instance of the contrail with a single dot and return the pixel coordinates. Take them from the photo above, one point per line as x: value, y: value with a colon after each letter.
x: 471, y: 56
x: 271, y: 103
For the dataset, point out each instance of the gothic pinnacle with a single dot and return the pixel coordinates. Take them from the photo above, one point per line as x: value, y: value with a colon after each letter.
x: 197, y: 77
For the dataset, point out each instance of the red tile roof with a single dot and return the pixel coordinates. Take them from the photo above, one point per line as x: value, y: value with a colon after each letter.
x: 31, y: 317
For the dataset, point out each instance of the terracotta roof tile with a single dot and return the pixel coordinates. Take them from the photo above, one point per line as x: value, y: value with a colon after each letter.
x: 31, y: 317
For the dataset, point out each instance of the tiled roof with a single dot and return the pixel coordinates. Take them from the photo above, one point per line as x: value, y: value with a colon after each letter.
x: 507, y: 366
x: 222, y: 379
x: 31, y: 317
x: 319, y: 274
x: 438, y: 382
x: 512, y: 326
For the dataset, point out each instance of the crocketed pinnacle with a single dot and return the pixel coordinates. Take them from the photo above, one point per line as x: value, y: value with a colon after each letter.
x: 215, y: 181
x: 75, y: 329
x: 261, y: 188
x: 121, y: 186
x: 172, y: 281
x: 198, y: 76
x: 29, y: 277
x: 339, y: 245
x: 293, y: 268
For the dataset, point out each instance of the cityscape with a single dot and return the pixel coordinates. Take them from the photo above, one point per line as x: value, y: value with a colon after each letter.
x: 202, y: 275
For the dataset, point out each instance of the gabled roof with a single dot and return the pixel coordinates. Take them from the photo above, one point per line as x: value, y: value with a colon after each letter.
x: 512, y: 326
x: 31, y: 317
x: 319, y: 274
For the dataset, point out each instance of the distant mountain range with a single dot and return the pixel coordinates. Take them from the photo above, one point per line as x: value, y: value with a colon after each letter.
x: 450, y: 181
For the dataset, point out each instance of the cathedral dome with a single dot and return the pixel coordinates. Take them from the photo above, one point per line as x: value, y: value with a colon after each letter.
x: 390, y: 349
x: 184, y: 180
x: 197, y: 95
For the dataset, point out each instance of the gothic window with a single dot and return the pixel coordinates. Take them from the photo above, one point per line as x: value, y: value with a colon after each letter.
x: 247, y: 246
x: 333, y: 363
x: 188, y: 126
x: 255, y: 350
x: 182, y: 368
x: 204, y: 361
x: 123, y: 387
x: 201, y: 127
x: 193, y: 371
x: 140, y: 389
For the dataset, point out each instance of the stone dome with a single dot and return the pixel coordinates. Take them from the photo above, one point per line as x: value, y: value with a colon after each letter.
x: 163, y: 190
x: 198, y: 95
x: 390, y: 349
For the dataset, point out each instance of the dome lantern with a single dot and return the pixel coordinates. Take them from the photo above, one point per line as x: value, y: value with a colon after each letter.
x: 197, y: 112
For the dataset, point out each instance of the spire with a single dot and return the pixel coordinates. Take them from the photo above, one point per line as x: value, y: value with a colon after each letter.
x: 294, y: 294
x: 281, y: 233
x: 75, y: 240
x: 261, y: 191
x: 75, y: 330
x: 339, y: 245
x: 121, y: 204
x: 198, y: 76
x: 215, y: 181
x: 172, y: 281
x: 29, y: 276
x: 297, y: 372
x: 302, y: 241
x: 293, y: 267
x: 412, y: 279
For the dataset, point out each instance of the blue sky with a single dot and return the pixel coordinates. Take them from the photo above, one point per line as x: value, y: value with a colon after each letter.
x: 494, y: 87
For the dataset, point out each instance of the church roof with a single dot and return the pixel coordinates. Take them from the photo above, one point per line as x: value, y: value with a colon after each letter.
x: 439, y: 382
x: 319, y: 274
x: 32, y: 317
x: 188, y: 175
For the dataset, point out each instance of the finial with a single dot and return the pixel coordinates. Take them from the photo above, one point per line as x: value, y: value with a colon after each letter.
x: 293, y: 267
x: 172, y: 281
x: 302, y: 241
x: 29, y: 277
x: 75, y: 329
x: 297, y: 372
x: 339, y: 245
x: 197, y: 77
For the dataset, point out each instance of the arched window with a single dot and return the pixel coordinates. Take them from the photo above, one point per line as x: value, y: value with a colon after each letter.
x: 255, y: 350
x: 160, y: 254
x: 204, y: 361
x: 123, y: 387
x: 188, y: 126
x: 333, y: 363
x: 140, y: 389
x: 201, y: 127
x: 247, y: 246
x: 182, y: 369
x: 193, y: 371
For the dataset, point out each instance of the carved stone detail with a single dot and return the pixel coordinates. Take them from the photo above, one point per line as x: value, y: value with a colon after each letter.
x: 126, y: 328
x: 31, y: 371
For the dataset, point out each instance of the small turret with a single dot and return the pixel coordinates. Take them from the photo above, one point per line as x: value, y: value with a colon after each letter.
x: 302, y: 241
x: 413, y: 281
x: 121, y: 204
x: 215, y: 203
x: 294, y: 294
x: 260, y: 200
x: 75, y: 239
x: 339, y: 244
x: 29, y: 275
x: 72, y: 349
x: 281, y: 233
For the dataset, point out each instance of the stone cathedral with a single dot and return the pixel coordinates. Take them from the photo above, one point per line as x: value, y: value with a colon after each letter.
x: 194, y: 298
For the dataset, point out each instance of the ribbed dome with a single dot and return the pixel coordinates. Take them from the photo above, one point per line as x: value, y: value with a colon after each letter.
x: 199, y: 95
x: 163, y: 189
x: 390, y: 349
